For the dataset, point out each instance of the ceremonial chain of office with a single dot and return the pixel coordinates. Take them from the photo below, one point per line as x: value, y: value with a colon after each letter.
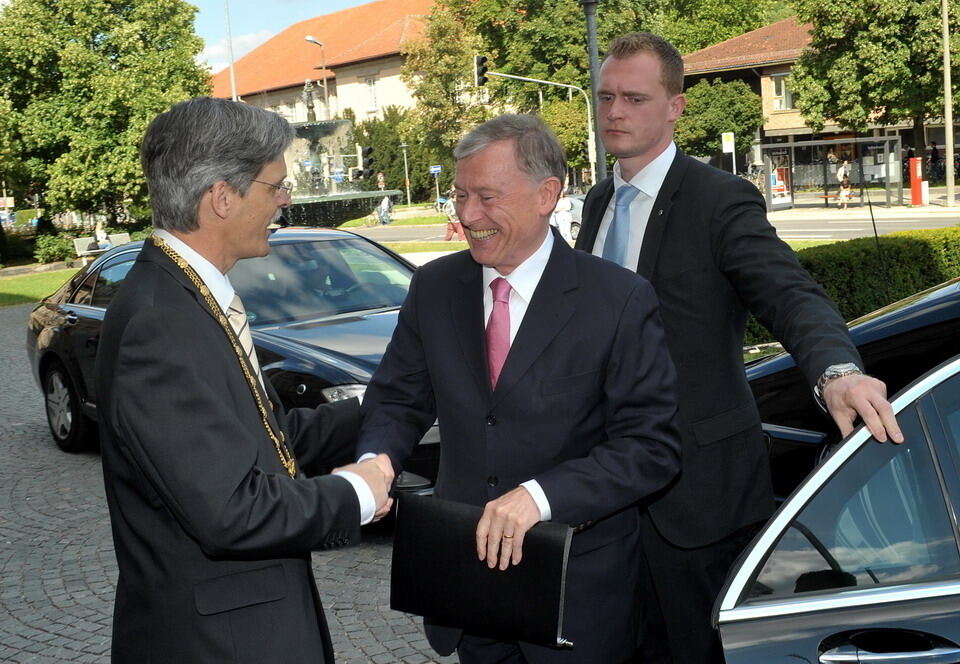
x: 286, y: 457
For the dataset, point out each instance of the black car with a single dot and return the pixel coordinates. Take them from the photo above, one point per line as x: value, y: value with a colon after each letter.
x: 897, y: 343
x: 322, y: 305
x: 862, y: 562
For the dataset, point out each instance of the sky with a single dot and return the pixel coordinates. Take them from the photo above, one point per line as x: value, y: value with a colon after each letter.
x: 252, y: 22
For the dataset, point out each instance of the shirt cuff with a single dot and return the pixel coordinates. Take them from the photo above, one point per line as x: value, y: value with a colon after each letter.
x: 368, y: 505
x: 539, y: 497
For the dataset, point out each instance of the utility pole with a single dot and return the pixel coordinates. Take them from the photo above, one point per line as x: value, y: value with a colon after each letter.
x: 948, y: 104
x: 595, y: 163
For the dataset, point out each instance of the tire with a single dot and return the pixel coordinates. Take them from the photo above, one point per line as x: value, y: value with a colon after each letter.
x: 574, y: 230
x: 71, y: 429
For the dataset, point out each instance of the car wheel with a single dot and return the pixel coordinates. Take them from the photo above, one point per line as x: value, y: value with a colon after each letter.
x: 71, y: 429
x: 574, y: 230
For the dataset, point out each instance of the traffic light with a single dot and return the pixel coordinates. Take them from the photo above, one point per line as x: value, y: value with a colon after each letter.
x: 364, y: 163
x: 480, y: 70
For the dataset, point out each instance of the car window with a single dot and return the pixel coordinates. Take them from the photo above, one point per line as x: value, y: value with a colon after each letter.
x: 881, y: 519
x: 84, y: 292
x: 108, y: 282
x: 316, y: 279
x: 947, y: 398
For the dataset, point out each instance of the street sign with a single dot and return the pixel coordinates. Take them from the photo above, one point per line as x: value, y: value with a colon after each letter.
x: 727, y: 139
x: 435, y: 169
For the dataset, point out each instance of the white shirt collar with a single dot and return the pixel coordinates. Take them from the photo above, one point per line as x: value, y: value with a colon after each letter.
x: 525, y: 277
x: 218, y: 283
x: 650, y: 178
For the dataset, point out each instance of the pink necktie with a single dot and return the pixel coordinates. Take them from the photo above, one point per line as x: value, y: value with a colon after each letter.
x: 498, y: 329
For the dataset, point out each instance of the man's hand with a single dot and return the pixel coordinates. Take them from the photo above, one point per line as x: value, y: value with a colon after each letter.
x: 848, y: 397
x: 501, y: 528
x: 372, y: 472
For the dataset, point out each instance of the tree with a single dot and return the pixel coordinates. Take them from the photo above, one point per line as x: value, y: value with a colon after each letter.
x: 694, y: 24
x: 716, y: 107
x: 439, y: 69
x: 871, y: 62
x: 81, y: 80
x: 384, y: 137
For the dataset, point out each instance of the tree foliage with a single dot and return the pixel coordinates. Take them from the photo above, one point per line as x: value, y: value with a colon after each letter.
x: 694, y: 24
x: 546, y: 39
x: 79, y: 82
x: 714, y: 107
x: 439, y: 70
x: 871, y: 62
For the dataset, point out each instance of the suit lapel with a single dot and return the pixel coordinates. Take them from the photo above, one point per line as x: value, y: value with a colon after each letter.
x: 153, y: 253
x: 593, y: 214
x: 547, y: 313
x: 466, y: 307
x: 650, y: 248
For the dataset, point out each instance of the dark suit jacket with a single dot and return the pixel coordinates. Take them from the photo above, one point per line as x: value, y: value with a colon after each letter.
x: 712, y: 257
x: 212, y: 536
x: 580, y: 406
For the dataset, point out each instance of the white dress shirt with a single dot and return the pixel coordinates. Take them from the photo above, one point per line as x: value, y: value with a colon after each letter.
x: 523, y: 282
x: 222, y: 291
x: 648, y: 181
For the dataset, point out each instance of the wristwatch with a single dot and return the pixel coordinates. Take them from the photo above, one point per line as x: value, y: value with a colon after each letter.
x: 834, y: 371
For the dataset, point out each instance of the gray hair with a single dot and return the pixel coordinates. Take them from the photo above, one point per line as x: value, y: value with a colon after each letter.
x: 200, y: 142
x: 671, y: 62
x: 539, y: 153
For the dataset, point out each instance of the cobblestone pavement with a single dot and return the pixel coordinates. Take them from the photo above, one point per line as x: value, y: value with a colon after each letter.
x: 58, y: 571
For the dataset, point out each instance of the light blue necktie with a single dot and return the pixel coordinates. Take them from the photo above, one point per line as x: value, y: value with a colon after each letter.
x: 618, y: 234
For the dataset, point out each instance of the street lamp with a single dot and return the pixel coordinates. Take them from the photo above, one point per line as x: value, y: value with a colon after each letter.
x: 323, y: 68
x: 406, y: 173
x: 590, y: 12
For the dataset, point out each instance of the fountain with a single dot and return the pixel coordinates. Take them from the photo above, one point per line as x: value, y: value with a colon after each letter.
x: 319, y: 162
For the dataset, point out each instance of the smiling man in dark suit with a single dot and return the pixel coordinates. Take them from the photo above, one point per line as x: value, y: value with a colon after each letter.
x: 213, y: 508
x: 549, y: 408
x: 701, y: 236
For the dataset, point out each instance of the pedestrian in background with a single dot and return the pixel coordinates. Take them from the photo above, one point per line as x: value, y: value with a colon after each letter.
x: 454, y: 227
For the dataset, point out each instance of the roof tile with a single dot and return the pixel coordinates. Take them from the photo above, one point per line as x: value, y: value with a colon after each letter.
x: 782, y: 41
x: 372, y: 30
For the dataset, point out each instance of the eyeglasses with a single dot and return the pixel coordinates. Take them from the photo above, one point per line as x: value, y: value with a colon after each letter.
x: 286, y: 187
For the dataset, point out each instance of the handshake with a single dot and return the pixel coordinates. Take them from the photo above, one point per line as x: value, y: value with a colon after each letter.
x: 378, y: 474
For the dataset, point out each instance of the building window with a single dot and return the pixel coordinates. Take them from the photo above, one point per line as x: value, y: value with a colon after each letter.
x: 782, y: 96
x: 372, y: 94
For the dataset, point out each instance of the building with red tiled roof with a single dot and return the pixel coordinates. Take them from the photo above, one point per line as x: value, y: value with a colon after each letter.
x: 763, y: 59
x: 359, y: 62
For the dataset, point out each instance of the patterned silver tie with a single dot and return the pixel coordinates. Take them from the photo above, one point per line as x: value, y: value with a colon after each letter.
x: 237, y: 316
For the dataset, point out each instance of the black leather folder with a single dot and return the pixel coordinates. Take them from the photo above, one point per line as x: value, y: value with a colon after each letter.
x: 436, y: 574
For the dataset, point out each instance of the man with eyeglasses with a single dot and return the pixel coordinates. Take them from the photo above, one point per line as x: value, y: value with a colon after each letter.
x: 213, y: 499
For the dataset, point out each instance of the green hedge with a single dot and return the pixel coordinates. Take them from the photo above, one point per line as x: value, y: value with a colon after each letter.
x: 860, y: 276
x: 53, y: 248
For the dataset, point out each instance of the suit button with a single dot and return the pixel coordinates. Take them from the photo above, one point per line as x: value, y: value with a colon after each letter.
x: 491, y: 420
x: 493, y: 480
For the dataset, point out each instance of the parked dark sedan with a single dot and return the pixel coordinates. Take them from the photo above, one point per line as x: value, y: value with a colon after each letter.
x: 322, y: 305
x: 898, y: 343
x: 862, y: 562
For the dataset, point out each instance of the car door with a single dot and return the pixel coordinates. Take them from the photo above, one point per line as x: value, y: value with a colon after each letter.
x: 862, y: 563
x: 85, y: 311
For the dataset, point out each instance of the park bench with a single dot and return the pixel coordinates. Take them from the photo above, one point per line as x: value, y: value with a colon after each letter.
x: 86, y: 248
x: 116, y: 239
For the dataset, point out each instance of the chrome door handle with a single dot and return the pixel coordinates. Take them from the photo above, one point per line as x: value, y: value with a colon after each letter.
x: 852, y: 654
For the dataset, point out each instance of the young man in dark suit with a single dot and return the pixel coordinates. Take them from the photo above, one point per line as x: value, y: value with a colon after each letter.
x: 213, y: 508
x: 554, y: 392
x: 701, y: 236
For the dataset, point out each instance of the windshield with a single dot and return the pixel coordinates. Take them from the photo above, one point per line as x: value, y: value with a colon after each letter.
x: 304, y: 280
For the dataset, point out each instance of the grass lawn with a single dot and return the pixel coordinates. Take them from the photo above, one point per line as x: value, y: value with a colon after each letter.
x: 410, y: 221
x: 413, y: 247
x: 31, y: 287
x: 797, y: 245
